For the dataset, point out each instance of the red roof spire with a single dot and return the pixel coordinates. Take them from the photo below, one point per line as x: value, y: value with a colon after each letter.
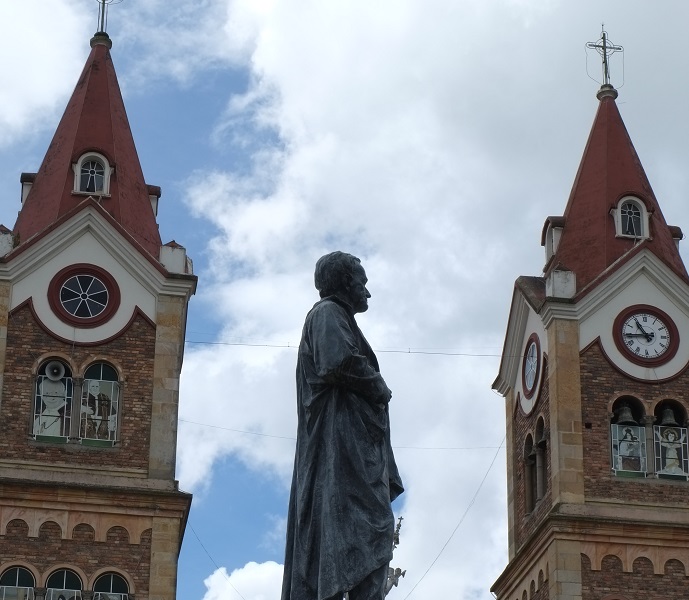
x: 95, y: 121
x: 610, y: 169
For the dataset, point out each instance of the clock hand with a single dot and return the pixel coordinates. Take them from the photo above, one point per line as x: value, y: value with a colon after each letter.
x: 648, y: 336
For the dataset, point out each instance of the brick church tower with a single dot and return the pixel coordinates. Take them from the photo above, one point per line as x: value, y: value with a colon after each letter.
x: 594, y: 372
x: 92, y: 321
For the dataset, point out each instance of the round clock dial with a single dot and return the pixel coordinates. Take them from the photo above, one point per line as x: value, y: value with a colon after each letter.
x: 531, y: 366
x: 647, y: 335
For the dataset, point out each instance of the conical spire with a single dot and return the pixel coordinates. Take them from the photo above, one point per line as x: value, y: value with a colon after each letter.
x: 95, y: 121
x: 610, y: 169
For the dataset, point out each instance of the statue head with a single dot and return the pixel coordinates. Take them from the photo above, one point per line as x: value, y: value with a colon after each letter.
x: 341, y: 274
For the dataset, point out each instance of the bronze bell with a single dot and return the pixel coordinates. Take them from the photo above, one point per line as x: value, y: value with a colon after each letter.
x: 625, y: 416
x: 668, y: 418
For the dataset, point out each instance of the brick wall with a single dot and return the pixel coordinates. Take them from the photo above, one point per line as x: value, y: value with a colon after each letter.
x: 79, y: 550
x: 639, y: 584
x: 600, y: 383
x: 525, y: 523
x: 133, y: 351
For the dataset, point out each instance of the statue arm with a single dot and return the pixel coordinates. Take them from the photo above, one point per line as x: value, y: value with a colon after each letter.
x: 337, y: 358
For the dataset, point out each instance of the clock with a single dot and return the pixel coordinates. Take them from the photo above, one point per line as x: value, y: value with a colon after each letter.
x: 83, y: 295
x: 646, y: 335
x: 531, y: 368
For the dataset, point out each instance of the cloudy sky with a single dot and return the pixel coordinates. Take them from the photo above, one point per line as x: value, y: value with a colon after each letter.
x: 431, y: 138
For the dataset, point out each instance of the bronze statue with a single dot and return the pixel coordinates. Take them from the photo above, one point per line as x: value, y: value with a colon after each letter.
x: 340, y: 524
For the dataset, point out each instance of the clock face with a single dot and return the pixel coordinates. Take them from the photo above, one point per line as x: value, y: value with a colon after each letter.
x: 531, y: 368
x: 83, y: 295
x: 646, y: 335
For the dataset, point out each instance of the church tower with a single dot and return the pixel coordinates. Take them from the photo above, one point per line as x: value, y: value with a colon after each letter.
x: 92, y: 321
x: 594, y: 372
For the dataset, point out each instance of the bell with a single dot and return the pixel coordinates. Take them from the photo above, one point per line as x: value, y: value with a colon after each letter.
x: 668, y: 418
x: 625, y: 416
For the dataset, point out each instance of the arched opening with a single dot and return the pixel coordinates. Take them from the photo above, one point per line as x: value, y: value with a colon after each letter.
x: 541, y: 459
x: 628, y: 438
x: 529, y: 474
x: 17, y: 582
x: 53, y: 401
x: 110, y: 586
x: 670, y: 440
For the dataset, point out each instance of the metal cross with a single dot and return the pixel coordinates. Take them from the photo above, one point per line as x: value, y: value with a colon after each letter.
x: 605, y: 48
x: 103, y: 13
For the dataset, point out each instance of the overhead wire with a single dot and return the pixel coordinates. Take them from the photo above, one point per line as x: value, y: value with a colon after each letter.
x: 215, y: 563
x: 461, y: 520
x: 384, y: 351
x: 293, y: 439
x: 435, y: 560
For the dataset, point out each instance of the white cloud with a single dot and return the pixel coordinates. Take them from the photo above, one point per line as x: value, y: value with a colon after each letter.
x: 251, y: 582
x: 382, y: 152
x: 430, y: 138
x: 29, y: 102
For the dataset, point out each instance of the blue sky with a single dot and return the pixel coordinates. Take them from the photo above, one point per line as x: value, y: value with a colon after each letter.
x: 431, y: 139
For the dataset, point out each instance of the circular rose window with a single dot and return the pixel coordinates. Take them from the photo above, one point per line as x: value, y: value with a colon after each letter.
x: 83, y: 295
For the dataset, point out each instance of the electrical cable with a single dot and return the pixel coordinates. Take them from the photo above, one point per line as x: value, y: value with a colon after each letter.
x: 461, y: 520
x: 293, y: 439
x: 390, y: 351
x: 215, y: 563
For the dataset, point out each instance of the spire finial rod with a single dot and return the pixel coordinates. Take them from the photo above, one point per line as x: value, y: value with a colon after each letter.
x: 103, y: 13
x: 605, y: 48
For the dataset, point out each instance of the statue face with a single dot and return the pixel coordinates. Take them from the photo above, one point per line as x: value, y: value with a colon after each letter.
x: 357, y: 294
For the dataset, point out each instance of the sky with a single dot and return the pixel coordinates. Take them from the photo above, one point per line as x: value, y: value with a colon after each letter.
x: 429, y: 138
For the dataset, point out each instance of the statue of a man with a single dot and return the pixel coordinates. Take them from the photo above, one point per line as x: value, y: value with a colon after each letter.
x: 340, y: 524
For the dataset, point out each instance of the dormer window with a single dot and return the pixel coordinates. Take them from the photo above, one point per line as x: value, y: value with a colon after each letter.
x: 92, y: 174
x: 551, y: 234
x: 631, y: 218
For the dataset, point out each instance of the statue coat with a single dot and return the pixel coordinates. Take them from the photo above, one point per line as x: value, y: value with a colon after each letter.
x: 340, y: 523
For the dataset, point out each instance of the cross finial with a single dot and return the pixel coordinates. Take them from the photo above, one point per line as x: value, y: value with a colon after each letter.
x: 605, y: 48
x: 103, y: 13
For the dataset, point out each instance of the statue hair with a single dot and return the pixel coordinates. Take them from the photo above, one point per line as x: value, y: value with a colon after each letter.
x: 333, y: 272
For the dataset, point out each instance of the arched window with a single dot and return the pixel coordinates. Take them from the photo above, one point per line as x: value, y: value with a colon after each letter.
x: 100, y: 398
x: 53, y: 400
x: 631, y: 218
x: 670, y: 441
x: 63, y: 585
x: 17, y: 582
x: 529, y: 474
x: 541, y: 459
x: 628, y: 438
x: 92, y: 174
x: 111, y: 586
x: 630, y: 215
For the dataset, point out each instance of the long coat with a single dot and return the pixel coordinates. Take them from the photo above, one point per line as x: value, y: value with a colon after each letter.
x: 340, y: 523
